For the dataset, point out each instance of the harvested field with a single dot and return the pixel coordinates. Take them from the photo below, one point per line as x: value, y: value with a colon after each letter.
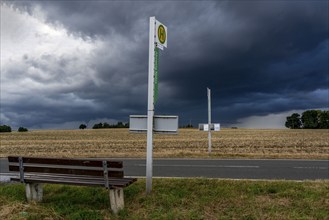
x: 228, y: 143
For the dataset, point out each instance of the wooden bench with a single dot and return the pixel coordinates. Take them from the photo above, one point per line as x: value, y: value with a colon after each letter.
x: 86, y: 172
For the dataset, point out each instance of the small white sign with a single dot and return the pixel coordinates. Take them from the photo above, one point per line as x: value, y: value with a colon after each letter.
x: 216, y: 127
x: 206, y: 127
x: 160, y: 46
x: 213, y: 127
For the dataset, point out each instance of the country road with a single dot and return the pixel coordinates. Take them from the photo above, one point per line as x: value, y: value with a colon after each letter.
x: 224, y: 168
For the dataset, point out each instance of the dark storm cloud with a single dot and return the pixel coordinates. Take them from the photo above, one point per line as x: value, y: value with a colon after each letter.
x: 258, y: 57
x: 279, y: 50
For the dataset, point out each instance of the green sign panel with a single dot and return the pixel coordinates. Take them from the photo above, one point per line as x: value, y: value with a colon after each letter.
x: 156, y: 70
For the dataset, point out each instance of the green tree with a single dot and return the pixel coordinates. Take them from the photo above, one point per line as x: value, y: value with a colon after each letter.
x: 120, y: 125
x: 310, y: 119
x: 5, y: 128
x: 82, y: 126
x: 293, y: 121
x: 324, y: 120
x: 106, y: 125
x: 22, y: 129
x: 97, y: 126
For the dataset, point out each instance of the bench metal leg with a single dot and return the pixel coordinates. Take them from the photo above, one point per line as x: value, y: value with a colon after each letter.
x: 116, y: 200
x: 34, y: 192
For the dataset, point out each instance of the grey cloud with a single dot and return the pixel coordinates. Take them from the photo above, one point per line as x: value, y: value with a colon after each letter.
x: 257, y: 57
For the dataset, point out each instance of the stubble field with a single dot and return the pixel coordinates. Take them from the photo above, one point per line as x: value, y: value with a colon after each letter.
x: 228, y: 143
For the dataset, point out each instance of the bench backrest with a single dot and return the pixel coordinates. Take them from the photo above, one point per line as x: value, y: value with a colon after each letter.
x: 79, y: 167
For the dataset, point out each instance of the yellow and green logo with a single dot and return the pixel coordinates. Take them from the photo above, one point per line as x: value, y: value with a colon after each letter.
x: 162, y: 34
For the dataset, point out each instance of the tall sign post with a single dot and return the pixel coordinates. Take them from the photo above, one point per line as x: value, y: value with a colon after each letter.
x: 209, y: 120
x: 210, y: 126
x: 157, y: 40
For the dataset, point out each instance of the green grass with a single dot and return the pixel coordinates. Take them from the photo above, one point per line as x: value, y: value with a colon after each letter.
x: 175, y: 199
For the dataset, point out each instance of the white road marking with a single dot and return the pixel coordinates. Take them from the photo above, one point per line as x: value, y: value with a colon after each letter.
x: 202, y: 166
x: 317, y: 168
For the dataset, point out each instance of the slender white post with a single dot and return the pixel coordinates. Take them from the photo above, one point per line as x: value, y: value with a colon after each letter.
x: 150, y: 108
x: 209, y: 120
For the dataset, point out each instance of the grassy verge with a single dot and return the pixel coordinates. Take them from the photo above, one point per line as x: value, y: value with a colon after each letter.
x: 176, y: 199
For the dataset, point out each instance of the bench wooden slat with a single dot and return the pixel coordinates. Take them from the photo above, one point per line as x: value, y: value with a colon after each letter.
x: 34, y: 169
x: 70, y: 162
x: 65, y: 176
x: 86, y: 182
x: 40, y: 180
x: 74, y: 178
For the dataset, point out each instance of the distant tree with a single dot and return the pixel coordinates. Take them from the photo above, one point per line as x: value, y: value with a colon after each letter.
x: 106, y: 125
x: 120, y: 125
x: 324, y: 120
x: 293, y: 121
x: 5, y: 128
x: 22, y: 129
x: 98, y: 126
x: 310, y: 119
x: 82, y: 126
x: 186, y: 126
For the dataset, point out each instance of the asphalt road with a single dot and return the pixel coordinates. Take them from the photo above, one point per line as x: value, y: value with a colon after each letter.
x: 224, y: 168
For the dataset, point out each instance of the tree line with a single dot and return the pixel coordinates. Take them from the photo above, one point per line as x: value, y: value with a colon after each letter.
x: 186, y: 126
x: 310, y: 119
x: 7, y: 128
x: 106, y: 125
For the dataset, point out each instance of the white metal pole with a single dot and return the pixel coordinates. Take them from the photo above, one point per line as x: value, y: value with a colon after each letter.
x: 150, y: 108
x: 209, y: 120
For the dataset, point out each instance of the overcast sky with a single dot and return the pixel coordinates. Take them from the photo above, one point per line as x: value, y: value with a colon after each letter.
x: 64, y: 63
